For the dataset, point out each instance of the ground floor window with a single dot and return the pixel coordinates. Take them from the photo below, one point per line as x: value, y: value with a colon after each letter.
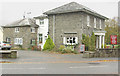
x: 40, y: 38
x: 32, y: 41
x: 70, y: 40
x: 18, y: 41
x: 8, y: 40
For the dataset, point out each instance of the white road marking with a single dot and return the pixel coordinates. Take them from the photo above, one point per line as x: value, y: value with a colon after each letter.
x: 78, y: 67
x: 22, y: 68
x: 97, y: 66
x: 87, y: 67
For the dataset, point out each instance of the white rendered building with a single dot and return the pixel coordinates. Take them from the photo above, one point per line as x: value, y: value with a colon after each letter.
x: 42, y: 34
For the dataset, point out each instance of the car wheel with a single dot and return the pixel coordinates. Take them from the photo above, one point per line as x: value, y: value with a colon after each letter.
x: 8, y: 48
x: 2, y: 49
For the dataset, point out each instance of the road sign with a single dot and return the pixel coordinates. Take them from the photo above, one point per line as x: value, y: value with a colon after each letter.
x: 81, y: 48
x: 113, y: 39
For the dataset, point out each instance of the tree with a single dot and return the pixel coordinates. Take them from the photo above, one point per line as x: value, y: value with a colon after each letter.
x: 111, y: 29
x: 49, y: 45
x: 92, y: 42
x: 85, y: 41
x: 89, y: 42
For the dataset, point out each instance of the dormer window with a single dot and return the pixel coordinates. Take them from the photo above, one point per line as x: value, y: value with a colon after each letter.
x: 16, y: 29
x: 88, y: 20
x: 94, y: 22
x: 32, y: 30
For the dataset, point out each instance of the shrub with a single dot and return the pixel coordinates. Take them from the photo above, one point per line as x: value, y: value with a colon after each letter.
x: 92, y: 42
x: 119, y: 46
x: 68, y: 49
x: 104, y: 46
x: 62, y: 47
x: 49, y: 45
x: 89, y: 42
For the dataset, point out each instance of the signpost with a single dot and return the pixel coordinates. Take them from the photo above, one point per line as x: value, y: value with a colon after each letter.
x: 113, y: 39
x: 81, y: 48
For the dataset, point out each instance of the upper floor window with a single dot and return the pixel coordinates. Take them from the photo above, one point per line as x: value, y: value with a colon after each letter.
x: 100, y: 24
x: 88, y: 20
x: 41, y: 21
x: 32, y: 30
x: 16, y: 29
x: 94, y: 22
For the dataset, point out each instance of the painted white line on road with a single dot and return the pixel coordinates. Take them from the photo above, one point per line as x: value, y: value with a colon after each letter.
x: 87, y: 67
x: 97, y: 66
x: 22, y: 68
x: 78, y: 67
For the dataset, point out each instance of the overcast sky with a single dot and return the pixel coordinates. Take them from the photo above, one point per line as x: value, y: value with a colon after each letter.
x: 12, y: 10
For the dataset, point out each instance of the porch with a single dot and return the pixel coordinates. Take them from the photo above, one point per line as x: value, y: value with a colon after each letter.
x: 100, y: 38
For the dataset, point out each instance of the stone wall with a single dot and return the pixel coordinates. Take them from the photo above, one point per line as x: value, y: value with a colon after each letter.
x: 24, y: 33
x: 102, y: 53
x: 72, y: 22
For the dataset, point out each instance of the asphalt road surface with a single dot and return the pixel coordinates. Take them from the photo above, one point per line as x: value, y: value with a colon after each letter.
x: 36, y: 62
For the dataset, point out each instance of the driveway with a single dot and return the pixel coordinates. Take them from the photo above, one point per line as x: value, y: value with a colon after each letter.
x: 37, y: 62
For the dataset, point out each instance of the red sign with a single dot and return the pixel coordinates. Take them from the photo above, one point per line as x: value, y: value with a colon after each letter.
x: 113, y: 39
x: 81, y: 48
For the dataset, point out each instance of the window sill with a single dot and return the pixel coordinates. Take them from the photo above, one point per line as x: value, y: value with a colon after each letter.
x: 71, y: 44
x: 100, y: 28
x: 88, y: 26
x: 32, y: 32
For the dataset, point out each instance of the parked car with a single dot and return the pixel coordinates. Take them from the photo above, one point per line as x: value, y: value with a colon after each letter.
x: 5, y: 45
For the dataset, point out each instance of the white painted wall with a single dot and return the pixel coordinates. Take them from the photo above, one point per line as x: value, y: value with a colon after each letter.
x: 43, y: 29
x: 1, y: 34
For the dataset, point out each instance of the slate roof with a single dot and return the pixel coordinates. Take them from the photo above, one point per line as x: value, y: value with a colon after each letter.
x: 41, y: 17
x: 23, y: 22
x: 73, y: 7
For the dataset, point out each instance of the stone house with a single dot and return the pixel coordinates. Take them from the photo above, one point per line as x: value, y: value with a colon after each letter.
x: 1, y: 34
x: 42, y: 34
x: 21, y: 33
x: 67, y: 23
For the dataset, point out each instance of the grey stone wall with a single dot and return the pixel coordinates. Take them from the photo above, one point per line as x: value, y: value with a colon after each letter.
x: 102, y: 53
x: 24, y: 33
x: 72, y: 22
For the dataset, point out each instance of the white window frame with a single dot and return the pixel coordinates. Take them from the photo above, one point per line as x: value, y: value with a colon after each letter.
x: 95, y: 24
x: 100, y: 24
x: 18, y: 41
x: 41, y: 21
x: 32, y: 41
x: 70, y: 38
x: 16, y: 29
x: 40, y: 37
x: 8, y: 39
x: 32, y: 30
x: 88, y: 20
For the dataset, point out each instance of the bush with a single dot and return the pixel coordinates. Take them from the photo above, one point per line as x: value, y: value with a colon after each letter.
x: 68, y: 49
x: 49, y: 45
x: 62, y: 47
x: 119, y: 46
x: 89, y: 42
x: 104, y: 46
x: 92, y: 42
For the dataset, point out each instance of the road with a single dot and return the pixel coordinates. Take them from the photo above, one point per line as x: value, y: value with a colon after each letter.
x: 36, y: 62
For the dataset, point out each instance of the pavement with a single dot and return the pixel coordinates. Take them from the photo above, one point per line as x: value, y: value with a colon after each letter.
x: 37, y: 62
